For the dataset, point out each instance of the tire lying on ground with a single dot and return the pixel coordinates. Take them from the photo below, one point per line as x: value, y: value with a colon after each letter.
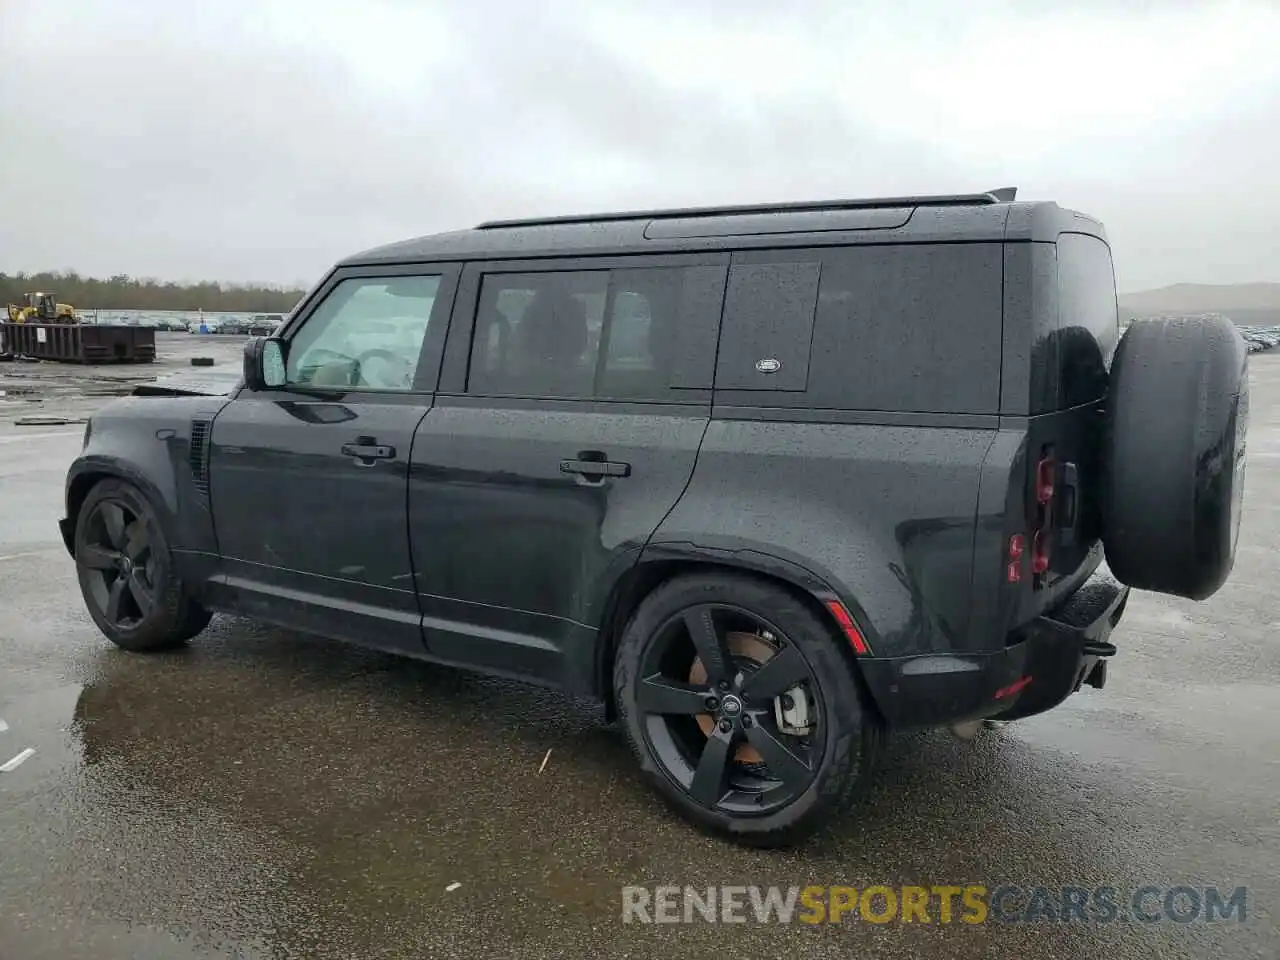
x: 1173, y: 468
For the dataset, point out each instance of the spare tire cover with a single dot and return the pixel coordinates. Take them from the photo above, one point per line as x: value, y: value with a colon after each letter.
x: 1173, y: 470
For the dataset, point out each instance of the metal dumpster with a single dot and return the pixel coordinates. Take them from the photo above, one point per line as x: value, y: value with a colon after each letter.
x: 79, y: 342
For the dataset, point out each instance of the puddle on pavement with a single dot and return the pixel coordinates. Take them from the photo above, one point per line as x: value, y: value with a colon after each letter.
x: 40, y: 722
x: 267, y: 787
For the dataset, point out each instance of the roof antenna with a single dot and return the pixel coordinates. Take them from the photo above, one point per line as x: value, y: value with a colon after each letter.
x: 1003, y: 194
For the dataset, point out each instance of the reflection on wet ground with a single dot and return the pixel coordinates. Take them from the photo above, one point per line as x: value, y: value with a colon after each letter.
x: 265, y: 794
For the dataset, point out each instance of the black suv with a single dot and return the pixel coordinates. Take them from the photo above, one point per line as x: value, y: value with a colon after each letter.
x: 769, y: 481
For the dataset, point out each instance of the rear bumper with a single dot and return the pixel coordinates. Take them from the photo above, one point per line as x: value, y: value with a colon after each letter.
x: 1049, y: 660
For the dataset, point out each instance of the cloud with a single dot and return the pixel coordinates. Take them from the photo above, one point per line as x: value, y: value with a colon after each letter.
x: 263, y: 140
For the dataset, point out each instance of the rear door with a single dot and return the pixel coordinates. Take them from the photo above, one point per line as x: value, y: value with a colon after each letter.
x: 308, y: 481
x: 573, y: 400
x: 1052, y: 535
x: 1088, y: 334
x: 1066, y: 435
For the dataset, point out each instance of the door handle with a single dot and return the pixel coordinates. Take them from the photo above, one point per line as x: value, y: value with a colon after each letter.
x: 596, y: 469
x: 366, y: 453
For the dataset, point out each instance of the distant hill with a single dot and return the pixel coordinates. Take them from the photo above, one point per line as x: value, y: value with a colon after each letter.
x: 1245, y: 303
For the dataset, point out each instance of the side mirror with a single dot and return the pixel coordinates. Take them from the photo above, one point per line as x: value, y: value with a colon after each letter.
x: 264, y: 367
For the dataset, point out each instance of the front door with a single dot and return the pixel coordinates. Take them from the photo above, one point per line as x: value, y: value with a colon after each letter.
x: 308, y: 481
x: 572, y: 404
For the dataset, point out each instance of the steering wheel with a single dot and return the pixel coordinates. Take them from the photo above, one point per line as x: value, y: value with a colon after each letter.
x: 389, y: 370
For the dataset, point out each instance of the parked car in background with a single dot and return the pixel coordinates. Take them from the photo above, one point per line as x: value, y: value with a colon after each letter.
x: 264, y: 324
x: 770, y: 482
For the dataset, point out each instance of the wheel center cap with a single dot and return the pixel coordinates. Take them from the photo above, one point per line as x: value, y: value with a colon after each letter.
x: 126, y: 565
x: 731, y: 706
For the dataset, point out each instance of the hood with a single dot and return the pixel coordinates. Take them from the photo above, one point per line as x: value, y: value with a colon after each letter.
x: 196, y: 382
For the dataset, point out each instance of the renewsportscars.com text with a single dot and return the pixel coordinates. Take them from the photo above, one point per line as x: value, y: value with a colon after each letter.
x: 970, y: 904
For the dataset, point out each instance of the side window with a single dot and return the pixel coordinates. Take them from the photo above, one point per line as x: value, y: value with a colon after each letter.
x: 604, y: 334
x: 367, y: 333
x: 642, y: 333
x: 768, y: 326
x: 909, y: 328
x: 536, y: 333
x: 1088, y: 323
x: 630, y: 329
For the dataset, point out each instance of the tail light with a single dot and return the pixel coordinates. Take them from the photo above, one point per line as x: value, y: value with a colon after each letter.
x: 1041, y: 533
x: 1017, y: 546
x: 1040, y: 553
x: 1042, y: 538
x: 1044, y: 479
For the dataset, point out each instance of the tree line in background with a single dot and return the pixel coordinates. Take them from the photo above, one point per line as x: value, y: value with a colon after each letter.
x: 130, y: 293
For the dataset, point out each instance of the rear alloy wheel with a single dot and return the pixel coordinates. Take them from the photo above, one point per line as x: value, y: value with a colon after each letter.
x: 126, y: 572
x: 741, y: 707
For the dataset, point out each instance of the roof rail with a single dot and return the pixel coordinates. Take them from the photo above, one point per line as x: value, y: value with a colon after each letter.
x: 999, y: 195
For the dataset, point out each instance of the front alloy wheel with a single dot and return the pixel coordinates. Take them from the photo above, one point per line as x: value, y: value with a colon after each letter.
x: 118, y: 566
x: 126, y: 572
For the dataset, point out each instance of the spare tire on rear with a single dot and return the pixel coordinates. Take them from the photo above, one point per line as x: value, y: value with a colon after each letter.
x: 1173, y: 469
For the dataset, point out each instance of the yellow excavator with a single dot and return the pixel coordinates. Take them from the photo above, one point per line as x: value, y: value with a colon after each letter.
x: 42, y: 308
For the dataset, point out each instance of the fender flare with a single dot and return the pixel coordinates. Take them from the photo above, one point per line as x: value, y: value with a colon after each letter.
x: 660, y: 562
x: 86, y: 471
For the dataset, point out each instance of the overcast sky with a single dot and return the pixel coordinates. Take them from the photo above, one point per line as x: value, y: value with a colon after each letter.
x: 263, y: 139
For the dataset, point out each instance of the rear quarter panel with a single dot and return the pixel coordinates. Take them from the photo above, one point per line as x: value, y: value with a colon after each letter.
x: 884, y: 515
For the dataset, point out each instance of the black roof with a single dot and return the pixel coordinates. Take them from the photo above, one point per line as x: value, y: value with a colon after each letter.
x: 991, y: 216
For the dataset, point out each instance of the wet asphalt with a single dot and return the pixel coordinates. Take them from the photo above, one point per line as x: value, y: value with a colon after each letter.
x: 268, y: 794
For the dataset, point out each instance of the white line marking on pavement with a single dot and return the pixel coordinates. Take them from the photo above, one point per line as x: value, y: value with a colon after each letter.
x: 17, y: 761
x: 41, y: 436
x: 3, y: 726
x: 29, y: 553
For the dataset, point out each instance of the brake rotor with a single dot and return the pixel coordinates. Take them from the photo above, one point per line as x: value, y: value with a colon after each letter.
x: 742, y: 646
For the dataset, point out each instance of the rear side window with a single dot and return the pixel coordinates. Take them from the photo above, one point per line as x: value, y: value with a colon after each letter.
x: 1088, y: 321
x: 902, y: 328
x: 625, y: 334
x: 909, y: 328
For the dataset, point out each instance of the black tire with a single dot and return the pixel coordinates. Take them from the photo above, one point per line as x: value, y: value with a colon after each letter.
x: 1173, y: 473
x: 126, y: 572
x: 845, y: 735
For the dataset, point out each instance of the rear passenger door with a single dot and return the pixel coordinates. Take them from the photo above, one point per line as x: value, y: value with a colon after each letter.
x: 572, y: 403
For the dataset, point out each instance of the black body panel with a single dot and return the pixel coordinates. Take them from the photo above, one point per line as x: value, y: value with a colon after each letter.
x: 148, y: 442
x: 883, y: 515
x: 311, y: 534
x: 516, y: 557
x: 1049, y: 659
